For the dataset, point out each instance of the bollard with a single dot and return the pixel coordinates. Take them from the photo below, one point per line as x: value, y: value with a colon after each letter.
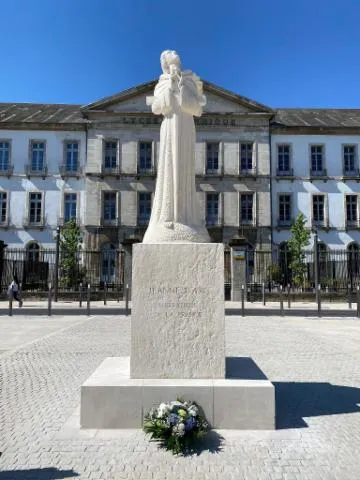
x: 88, y: 300
x: 289, y: 300
x: 349, y: 293
x: 243, y: 300
x: 127, y: 299
x: 10, y: 306
x: 118, y: 293
x: 358, y: 300
x: 80, y: 295
x: 281, y: 301
x: 49, y: 300
x: 263, y: 294
x: 318, y: 291
x: 105, y: 292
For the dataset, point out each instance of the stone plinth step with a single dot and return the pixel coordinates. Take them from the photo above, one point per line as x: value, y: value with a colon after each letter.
x: 243, y: 400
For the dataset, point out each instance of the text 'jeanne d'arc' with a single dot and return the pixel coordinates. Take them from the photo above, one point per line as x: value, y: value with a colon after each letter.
x: 176, y: 290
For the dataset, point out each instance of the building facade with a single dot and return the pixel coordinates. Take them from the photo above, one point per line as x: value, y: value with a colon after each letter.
x: 256, y: 169
x: 42, y: 156
x: 315, y: 171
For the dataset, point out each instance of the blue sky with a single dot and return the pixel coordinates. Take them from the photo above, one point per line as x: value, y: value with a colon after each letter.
x: 283, y: 53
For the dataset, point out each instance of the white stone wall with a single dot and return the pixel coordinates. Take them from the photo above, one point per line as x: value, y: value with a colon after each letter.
x: 335, y: 188
x: 229, y: 185
x: 52, y: 186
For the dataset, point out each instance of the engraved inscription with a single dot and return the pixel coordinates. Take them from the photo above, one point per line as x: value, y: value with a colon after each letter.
x: 169, y: 304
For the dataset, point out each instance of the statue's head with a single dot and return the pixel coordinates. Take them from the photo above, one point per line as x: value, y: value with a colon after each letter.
x: 169, y: 57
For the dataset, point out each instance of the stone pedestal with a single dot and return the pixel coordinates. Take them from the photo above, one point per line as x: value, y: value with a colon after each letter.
x: 178, y: 348
x: 111, y: 399
x: 177, y: 315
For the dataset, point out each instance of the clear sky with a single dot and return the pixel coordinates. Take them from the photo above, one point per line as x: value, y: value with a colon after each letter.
x: 283, y: 53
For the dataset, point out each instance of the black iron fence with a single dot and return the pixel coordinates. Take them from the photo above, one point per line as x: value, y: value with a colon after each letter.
x: 339, y: 270
x: 36, y: 269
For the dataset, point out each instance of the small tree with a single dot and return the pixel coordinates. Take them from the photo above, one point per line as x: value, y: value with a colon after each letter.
x: 70, y: 239
x: 296, y: 245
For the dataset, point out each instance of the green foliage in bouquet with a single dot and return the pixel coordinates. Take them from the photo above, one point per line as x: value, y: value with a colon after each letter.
x: 177, y: 425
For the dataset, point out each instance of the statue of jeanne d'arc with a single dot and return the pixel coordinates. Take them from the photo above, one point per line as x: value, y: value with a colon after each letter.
x: 175, y: 215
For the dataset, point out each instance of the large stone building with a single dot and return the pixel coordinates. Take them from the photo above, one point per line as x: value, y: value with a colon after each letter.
x: 256, y: 168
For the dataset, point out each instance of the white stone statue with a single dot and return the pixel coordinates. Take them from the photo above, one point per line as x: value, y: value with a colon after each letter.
x: 175, y: 215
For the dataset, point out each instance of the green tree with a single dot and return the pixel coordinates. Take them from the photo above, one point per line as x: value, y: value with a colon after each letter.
x: 70, y: 239
x: 296, y: 245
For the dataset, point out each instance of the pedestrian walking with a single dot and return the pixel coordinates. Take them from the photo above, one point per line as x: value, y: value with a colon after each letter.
x: 13, y: 290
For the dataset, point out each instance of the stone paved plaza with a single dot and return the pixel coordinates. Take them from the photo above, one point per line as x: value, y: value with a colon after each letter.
x: 314, y: 363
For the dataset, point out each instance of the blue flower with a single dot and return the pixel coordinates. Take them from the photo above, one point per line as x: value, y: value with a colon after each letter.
x: 190, y: 424
x: 173, y: 419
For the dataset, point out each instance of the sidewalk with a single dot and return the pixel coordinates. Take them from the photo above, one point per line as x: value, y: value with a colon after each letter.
x: 112, y: 307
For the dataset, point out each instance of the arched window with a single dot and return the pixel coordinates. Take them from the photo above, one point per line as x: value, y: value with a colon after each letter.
x: 33, y: 252
x: 108, y: 263
x: 325, y: 265
x: 35, y: 272
x: 284, y: 265
x: 250, y: 262
x: 353, y: 261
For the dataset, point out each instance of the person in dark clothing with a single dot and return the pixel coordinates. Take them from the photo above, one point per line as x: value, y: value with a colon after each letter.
x: 14, y: 286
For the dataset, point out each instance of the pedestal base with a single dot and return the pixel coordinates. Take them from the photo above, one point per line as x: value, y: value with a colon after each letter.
x: 243, y: 400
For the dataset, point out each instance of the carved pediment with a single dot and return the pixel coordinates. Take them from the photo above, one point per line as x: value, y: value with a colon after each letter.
x: 133, y: 100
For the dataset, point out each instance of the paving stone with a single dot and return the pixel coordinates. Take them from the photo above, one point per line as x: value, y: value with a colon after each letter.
x: 314, y: 363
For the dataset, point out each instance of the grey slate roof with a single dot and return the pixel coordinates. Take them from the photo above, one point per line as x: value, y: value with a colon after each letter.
x: 317, y: 117
x: 72, y: 114
x: 40, y: 113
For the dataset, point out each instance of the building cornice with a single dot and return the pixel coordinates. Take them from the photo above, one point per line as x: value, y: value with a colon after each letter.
x: 78, y: 127
x: 298, y: 130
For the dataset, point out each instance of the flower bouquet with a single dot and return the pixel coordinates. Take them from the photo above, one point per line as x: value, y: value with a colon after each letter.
x: 178, y: 425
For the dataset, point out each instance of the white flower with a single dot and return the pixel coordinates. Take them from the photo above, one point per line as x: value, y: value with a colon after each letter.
x: 193, y: 410
x: 179, y: 430
x: 163, y: 410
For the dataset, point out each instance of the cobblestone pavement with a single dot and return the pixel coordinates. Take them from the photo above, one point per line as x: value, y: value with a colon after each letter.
x: 18, y: 330
x: 314, y: 363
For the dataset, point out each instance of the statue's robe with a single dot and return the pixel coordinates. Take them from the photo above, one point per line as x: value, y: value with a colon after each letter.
x: 175, y: 214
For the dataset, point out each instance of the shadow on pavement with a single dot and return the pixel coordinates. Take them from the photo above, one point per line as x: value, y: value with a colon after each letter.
x: 243, y: 368
x: 37, y: 474
x: 294, y: 401
x: 212, y: 442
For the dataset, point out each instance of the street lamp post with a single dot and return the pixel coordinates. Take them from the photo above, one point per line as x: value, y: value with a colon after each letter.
x: 57, y: 254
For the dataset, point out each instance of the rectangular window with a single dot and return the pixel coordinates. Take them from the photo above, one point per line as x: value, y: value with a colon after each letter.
x: 69, y: 206
x: 4, y: 156
x: 318, y: 209
x: 352, y: 209
x: 349, y: 159
x: 212, y: 208
x: 145, y: 157
x: 212, y: 158
x: 71, y: 156
x: 317, y: 160
x: 35, y: 208
x: 110, y: 154
x: 246, y: 208
x: 37, y: 156
x: 246, y: 157
x: 109, y: 206
x: 144, y: 208
x: 284, y: 209
x: 3, y: 207
x: 283, y: 152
